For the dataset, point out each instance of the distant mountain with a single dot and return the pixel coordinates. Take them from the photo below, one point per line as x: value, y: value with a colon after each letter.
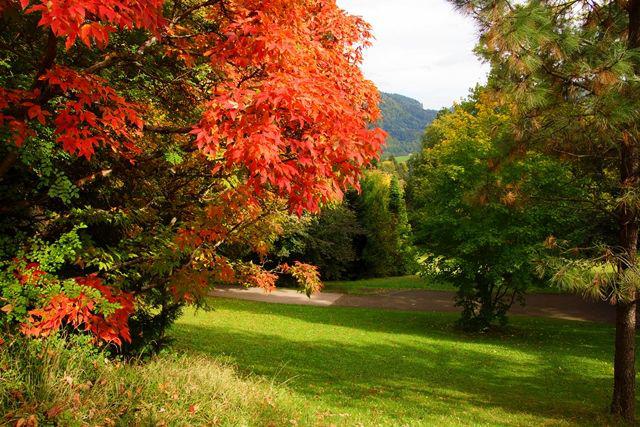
x: 404, y: 119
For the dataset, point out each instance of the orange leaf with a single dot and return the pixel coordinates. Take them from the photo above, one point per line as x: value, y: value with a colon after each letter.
x: 53, y: 412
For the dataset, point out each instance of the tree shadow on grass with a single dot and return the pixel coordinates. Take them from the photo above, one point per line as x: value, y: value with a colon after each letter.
x: 417, y: 368
x: 590, y: 339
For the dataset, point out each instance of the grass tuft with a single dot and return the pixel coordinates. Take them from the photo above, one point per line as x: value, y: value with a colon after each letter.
x: 54, y: 385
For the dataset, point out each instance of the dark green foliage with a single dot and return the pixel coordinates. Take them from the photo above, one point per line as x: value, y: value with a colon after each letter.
x: 326, y: 240
x: 128, y: 213
x: 396, y: 200
x: 368, y: 235
x: 386, y: 249
x: 404, y: 119
x: 127, y: 231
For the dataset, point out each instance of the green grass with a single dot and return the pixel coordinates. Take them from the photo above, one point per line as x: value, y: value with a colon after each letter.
x: 402, y: 159
x: 387, y: 284
x: 354, y: 366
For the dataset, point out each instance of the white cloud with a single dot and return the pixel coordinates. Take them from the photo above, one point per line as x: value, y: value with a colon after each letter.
x: 423, y: 49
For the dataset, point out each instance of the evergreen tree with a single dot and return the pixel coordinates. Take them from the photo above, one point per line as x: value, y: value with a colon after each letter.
x: 570, y: 73
x: 387, y: 250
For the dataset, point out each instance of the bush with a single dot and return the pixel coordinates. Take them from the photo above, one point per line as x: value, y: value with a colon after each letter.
x: 367, y: 235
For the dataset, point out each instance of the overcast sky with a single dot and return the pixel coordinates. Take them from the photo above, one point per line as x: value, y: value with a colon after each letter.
x: 423, y: 49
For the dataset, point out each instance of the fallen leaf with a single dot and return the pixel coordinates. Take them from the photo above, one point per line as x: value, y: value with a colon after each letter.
x: 17, y: 395
x: 54, y: 412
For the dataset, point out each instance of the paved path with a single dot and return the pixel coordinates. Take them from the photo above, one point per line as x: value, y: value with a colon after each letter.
x: 569, y: 307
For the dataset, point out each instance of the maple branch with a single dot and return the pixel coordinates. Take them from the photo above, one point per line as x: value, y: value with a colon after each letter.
x: 239, y: 226
x: 81, y: 182
x: 110, y: 59
x: 48, y: 58
x: 192, y: 35
x: 190, y: 258
x: 192, y: 9
x: 150, y: 42
x: 258, y: 72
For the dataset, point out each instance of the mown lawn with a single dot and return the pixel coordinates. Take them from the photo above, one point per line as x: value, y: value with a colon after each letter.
x: 386, y: 284
x: 353, y: 366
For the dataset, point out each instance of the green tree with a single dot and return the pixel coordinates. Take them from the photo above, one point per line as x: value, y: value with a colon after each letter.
x: 387, y: 248
x: 480, y: 215
x: 570, y: 72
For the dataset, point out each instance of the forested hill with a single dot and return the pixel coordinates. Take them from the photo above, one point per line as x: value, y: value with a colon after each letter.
x: 404, y: 119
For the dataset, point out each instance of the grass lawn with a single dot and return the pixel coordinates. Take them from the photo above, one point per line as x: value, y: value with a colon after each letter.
x: 385, y: 284
x: 347, y: 366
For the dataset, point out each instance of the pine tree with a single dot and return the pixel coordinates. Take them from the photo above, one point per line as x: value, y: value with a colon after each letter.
x: 570, y: 71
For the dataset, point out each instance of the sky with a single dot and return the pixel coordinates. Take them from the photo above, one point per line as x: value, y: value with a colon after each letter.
x: 422, y: 49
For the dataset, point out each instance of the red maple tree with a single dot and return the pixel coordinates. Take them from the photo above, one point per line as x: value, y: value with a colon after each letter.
x: 290, y: 113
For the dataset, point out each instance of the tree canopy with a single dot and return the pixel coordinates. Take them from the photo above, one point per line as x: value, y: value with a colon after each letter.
x: 482, y: 212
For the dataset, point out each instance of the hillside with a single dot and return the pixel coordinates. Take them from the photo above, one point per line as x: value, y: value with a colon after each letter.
x: 404, y: 119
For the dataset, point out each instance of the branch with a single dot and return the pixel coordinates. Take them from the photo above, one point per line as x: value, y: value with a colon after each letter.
x: 566, y: 79
x: 81, y: 182
x: 48, y: 59
x: 108, y: 60
x: 192, y: 9
x: 150, y: 42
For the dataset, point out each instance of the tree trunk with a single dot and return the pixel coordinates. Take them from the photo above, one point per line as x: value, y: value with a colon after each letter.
x: 623, y: 403
x: 624, y: 385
